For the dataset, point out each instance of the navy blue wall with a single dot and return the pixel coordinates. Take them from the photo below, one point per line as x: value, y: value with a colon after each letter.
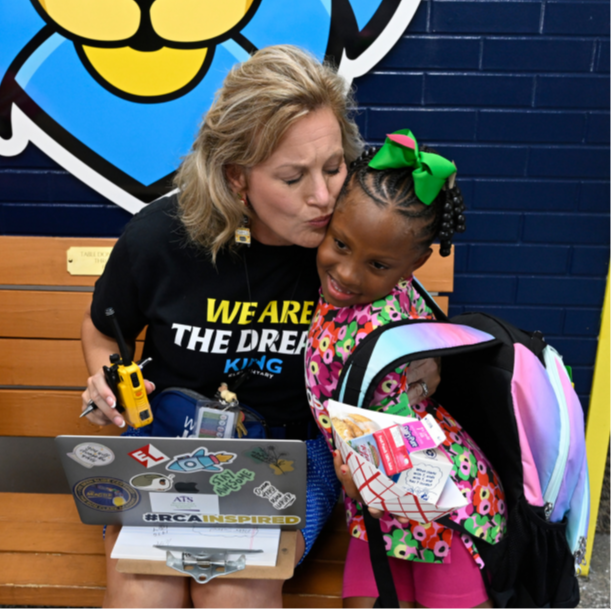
x: 517, y: 94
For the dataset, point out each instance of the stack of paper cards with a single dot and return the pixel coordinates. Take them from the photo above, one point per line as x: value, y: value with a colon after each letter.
x: 422, y: 491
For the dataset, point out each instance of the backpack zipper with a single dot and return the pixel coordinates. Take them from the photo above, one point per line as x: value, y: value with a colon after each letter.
x: 550, y: 494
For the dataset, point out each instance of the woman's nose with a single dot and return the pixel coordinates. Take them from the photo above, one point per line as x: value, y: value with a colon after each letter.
x: 320, y: 194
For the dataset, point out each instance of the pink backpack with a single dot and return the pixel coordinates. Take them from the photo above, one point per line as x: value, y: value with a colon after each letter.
x: 512, y: 393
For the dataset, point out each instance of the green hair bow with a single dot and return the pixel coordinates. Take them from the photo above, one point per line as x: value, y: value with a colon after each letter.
x: 430, y: 170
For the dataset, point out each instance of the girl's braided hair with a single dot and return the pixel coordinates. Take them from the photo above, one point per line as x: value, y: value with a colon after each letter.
x: 444, y: 216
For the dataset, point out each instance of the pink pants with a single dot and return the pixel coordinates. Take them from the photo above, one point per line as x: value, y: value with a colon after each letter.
x: 455, y: 584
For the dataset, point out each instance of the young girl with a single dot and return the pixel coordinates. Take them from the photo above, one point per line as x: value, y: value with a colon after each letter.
x: 392, y: 206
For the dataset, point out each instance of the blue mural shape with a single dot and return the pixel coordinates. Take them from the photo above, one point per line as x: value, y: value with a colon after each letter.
x: 115, y: 94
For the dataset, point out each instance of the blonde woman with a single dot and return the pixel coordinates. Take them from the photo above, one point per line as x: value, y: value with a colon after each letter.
x: 269, y: 160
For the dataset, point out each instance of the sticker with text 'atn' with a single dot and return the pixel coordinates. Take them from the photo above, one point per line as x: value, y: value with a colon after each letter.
x: 200, y: 460
x: 106, y: 494
x: 277, y: 498
x: 149, y: 456
x: 184, y: 503
x: 92, y: 454
x: 221, y: 519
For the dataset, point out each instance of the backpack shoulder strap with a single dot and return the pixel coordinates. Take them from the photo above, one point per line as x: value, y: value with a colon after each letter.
x: 430, y: 301
x: 399, y: 342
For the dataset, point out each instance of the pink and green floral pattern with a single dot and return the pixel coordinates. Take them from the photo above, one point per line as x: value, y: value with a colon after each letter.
x: 334, y: 334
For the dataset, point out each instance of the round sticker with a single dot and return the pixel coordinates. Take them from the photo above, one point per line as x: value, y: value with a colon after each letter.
x: 92, y: 454
x: 152, y: 482
x: 106, y: 494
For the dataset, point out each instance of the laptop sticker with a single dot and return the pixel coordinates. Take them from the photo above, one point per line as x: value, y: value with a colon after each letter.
x: 92, y: 454
x: 275, y: 460
x: 200, y: 460
x: 277, y: 498
x: 229, y: 482
x: 106, y: 494
x: 184, y: 503
x: 149, y: 456
x: 186, y: 487
x: 242, y: 519
x: 152, y: 482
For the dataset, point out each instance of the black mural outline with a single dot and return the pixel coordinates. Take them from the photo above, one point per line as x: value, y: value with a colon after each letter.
x: 344, y: 35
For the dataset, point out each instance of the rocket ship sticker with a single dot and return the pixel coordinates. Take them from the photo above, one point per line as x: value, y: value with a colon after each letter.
x: 200, y: 460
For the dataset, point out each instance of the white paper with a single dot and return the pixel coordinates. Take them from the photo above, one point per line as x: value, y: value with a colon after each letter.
x: 436, y: 492
x: 137, y: 543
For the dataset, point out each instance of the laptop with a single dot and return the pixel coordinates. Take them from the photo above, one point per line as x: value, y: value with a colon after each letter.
x: 148, y: 481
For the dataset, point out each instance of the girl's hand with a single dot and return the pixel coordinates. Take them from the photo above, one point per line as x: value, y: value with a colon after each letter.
x: 345, y: 477
x: 423, y: 377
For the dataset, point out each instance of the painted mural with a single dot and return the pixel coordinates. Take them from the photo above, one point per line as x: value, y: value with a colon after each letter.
x: 113, y: 90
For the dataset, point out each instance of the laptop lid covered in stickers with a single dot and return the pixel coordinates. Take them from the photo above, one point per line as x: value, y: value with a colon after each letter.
x: 144, y: 481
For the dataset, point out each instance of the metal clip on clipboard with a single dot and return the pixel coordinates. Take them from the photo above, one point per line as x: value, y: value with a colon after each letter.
x: 204, y: 564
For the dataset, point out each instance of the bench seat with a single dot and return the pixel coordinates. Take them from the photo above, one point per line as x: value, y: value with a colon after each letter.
x: 47, y: 556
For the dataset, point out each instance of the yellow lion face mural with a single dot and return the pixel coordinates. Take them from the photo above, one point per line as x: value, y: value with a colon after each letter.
x: 145, y: 49
x: 113, y: 90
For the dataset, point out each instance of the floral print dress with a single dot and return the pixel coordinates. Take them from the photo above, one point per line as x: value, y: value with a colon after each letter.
x: 333, y: 335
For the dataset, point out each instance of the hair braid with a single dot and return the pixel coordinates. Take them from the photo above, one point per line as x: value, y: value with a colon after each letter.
x: 443, y: 217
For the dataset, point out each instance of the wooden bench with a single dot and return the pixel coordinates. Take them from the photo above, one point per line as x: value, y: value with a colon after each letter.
x: 47, y: 557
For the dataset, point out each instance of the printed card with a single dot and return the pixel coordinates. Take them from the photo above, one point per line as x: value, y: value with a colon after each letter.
x: 422, y: 434
x: 423, y: 493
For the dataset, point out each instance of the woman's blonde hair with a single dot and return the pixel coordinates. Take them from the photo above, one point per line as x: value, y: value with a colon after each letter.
x: 259, y: 100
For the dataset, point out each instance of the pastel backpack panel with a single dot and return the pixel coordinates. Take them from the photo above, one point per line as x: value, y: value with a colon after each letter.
x: 511, y: 392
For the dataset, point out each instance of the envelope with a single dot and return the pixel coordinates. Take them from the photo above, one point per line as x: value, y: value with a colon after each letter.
x: 423, y: 493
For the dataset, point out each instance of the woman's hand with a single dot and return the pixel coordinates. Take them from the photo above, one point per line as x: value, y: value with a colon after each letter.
x: 343, y: 474
x: 99, y: 391
x: 423, y: 377
x: 97, y: 348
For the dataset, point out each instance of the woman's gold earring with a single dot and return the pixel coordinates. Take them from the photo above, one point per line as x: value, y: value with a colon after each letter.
x: 242, y: 234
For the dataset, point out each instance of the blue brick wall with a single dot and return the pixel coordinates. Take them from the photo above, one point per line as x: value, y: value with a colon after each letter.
x: 517, y: 93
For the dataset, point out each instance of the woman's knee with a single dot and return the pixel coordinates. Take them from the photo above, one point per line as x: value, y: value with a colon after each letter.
x: 133, y: 590
x: 237, y: 593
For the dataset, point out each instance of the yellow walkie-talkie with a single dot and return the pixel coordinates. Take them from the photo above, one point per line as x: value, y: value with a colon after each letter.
x: 125, y: 379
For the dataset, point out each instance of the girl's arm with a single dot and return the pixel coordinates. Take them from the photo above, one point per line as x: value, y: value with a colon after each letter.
x: 345, y: 477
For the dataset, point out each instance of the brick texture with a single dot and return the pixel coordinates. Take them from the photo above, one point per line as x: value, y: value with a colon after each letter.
x: 517, y: 94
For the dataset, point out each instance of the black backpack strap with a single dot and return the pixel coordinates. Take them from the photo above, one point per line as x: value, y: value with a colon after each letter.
x: 439, y: 314
x: 387, y: 594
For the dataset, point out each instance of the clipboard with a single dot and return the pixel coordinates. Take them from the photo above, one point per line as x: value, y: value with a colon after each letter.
x: 285, y: 564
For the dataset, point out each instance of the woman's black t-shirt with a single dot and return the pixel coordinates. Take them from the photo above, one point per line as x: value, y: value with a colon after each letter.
x: 207, y: 323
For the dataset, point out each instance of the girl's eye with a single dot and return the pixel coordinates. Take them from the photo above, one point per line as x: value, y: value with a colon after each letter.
x: 340, y: 244
x: 379, y: 266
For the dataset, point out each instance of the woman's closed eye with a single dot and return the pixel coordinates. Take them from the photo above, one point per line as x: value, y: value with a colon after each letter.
x: 290, y: 181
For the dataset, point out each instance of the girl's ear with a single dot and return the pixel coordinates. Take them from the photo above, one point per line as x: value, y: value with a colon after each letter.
x: 420, y: 261
x: 236, y: 177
